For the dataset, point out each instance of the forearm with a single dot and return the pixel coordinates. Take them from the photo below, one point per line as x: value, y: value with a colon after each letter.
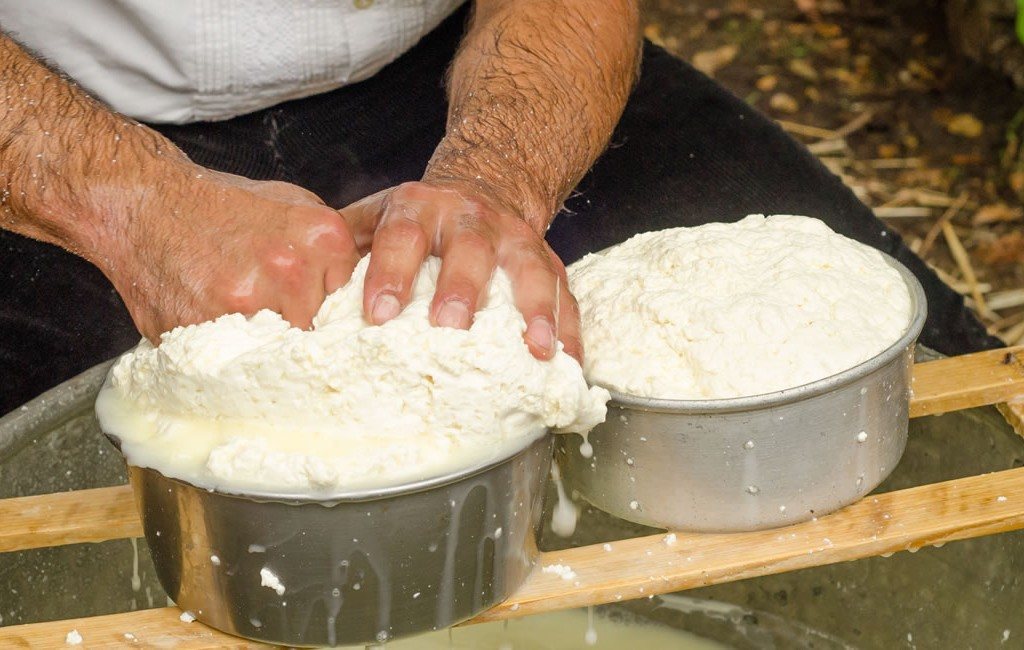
x: 69, y: 167
x: 535, y: 92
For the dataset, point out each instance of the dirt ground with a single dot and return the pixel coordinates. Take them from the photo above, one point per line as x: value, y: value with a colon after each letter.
x: 932, y: 142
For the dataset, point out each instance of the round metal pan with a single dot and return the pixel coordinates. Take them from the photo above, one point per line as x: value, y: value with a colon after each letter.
x: 751, y: 462
x: 361, y: 568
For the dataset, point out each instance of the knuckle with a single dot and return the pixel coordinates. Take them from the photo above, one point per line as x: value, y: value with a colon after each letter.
x: 408, y: 191
x: 479, y: 241
x: 238, y: 301
x: 284, y: 258
x: 328, y: 230
x: 402, y: 230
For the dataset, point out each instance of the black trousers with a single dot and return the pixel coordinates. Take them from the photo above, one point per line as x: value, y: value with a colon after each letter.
x: 686, y: 152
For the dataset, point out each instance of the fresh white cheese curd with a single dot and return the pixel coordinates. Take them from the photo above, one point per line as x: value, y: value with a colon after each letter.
x: 729, y: 310
x: 253, y: 404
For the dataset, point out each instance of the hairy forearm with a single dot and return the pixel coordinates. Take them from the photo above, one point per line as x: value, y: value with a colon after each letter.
x: 70, y: 168
x: 535, y: 92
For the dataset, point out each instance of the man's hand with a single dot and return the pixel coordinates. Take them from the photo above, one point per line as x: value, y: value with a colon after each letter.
x: 210, y: 243
x: 181, y: 244
x: 472, y: 233
x: 534, y: 93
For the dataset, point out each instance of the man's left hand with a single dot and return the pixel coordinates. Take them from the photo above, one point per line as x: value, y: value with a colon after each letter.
x: 472, y: 233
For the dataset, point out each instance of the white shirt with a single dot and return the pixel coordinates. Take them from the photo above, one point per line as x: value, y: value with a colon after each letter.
x: 191, y: 60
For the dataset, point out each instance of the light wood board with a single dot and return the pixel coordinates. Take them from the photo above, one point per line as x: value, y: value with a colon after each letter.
x: 149, y: 628
x: 967, y: 381
x: 635, y: 568
x: 109, y: 513
x: 74, y: 517
x: 622, y: 570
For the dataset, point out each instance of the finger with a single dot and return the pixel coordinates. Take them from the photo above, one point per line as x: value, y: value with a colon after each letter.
x: 339, y: 271
x: 332, y: 241
x: 568, y: 324
x: 363, y: 216
x: 298, y: 292
x: 535, y: 288
x: 285, y: 193
x: 399, y: 247
x: 468, y: 257
x: 569, y: 330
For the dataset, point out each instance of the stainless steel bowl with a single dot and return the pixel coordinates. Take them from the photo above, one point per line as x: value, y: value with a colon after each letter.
x: 363, y: 567
x: 751, y: 462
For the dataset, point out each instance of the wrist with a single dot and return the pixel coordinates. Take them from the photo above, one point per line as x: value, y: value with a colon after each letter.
x: 486, y: 171
x: 130, y: 183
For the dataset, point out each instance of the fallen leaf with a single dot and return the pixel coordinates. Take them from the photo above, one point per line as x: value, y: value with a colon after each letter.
x: 828, y: 30
x: 964, y: 159
x: 709, y: 61
x: 812, y: 94
x: 965, y: 125
x: 803, y: 69
x: 1016, y: 181
x: 942, y: 115
x: 842, y: 75
x: 888, y: 150
x: 767, y: 83
x: 920, y: 70
x: 1004, y: 251
x: 809, y: 8
x: 996, y: 213
x: 783, y: 102
x: 652, y: 33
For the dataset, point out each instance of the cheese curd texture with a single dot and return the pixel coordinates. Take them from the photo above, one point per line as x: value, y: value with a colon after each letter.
x: 729, y: 310
x: 253, y: 404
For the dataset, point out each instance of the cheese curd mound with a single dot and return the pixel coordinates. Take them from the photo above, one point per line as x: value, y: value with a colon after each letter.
x: 730, y: 310
x: 253, y: 404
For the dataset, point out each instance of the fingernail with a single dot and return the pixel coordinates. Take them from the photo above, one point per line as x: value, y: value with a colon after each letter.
x: 453, y: 313
x: 541, y: 333
x: 385, y: 307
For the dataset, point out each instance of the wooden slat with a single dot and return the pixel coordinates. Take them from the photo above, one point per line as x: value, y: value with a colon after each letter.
x: 149, y: 628
x: 68, y: 518
x: 886, y: 523
x: 109, y: 513
x: 1014, y: 414
x: 634, y: 568
x: 967, y: 381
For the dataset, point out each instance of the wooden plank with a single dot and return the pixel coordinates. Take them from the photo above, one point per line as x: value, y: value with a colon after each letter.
x: 656, y: 564
x: 150, y: 628
x: 967, y: 381
x: 1013, y: 413
x: 877, y: 525
x: 68, y: 518
x: 109, y: 513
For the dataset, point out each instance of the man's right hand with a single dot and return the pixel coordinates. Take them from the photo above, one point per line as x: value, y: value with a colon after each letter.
x: 181, y: 244
x: 205, y: 243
